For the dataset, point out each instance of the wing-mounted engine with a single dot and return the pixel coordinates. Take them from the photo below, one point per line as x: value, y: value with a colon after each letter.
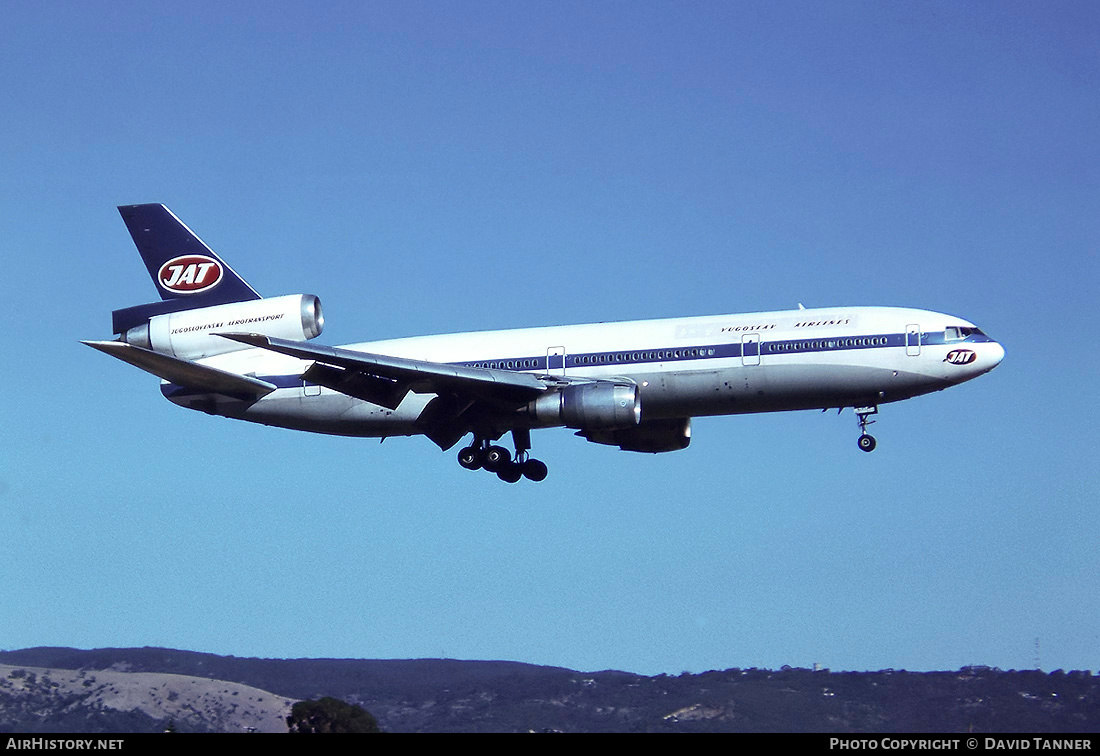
x: 190, y: 334
x: 653, y: 436
x: 598, y: 405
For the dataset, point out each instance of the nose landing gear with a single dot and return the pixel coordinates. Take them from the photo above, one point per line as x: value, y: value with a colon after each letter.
x: 496, y: 459
x: 866, y: 441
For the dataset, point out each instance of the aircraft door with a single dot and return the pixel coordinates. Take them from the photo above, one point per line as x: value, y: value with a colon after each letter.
x: 555, y: 360
x: 912, y: 340
x: 750, y: 349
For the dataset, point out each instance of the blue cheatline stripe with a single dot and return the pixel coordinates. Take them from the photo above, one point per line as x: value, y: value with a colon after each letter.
x: 704, y: 352
x: 668, y: 354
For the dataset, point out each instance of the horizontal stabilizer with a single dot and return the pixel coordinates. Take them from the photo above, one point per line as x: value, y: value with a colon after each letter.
x: 184, y: 373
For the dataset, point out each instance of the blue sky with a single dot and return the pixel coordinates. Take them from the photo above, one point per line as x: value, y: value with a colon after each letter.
x: 436, y: 167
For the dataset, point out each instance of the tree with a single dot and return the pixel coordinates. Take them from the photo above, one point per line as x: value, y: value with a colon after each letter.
x: 330, y: 715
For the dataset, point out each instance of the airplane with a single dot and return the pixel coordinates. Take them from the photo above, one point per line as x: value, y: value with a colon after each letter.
x: 221, y: 348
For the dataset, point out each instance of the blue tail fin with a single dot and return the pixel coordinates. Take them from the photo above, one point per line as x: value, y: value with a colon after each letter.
x: 179, y: 263
x: 187, y: 273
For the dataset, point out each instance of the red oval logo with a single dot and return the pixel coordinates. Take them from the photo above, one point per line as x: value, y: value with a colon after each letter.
x: 961, y: 356
x: 190, y: 274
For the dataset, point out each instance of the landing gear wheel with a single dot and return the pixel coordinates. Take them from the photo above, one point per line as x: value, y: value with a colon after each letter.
x: 497, y: 458
x: 480, y: 455
x: 510, y: 473
x: 866, y: 441
x: 534, y: 470
x: 470, y: 458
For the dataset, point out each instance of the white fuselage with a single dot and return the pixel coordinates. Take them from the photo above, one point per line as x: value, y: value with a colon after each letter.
x: 683, y: 367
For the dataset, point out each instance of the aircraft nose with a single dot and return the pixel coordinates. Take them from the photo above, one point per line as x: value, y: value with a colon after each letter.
x: 996, y: 354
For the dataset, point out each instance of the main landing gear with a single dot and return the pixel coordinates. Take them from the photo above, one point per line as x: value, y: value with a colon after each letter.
x: 866, y: 441
x: 481, y: 455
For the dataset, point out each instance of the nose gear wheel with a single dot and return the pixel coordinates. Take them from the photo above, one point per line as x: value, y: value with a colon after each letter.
x: 866, y: 441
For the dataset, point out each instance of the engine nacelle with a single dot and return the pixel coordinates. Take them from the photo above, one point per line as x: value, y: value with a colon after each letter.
x: 189, y: 334
x: 653, y: 436
x: 597, y: 405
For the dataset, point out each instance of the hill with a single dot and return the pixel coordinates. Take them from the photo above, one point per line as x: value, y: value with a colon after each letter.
x: 445, y: 695
x: 40, y: 699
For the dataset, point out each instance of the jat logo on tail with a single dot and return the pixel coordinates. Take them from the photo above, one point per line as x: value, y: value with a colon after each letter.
x: 190, y: 274
x: 961, y: 356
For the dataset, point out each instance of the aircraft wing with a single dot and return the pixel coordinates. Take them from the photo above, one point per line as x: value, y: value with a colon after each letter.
x: 185, y: 373
x: 385, y: 380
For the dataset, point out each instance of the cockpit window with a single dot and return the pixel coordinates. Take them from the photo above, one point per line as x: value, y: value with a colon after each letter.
x: 963, y: 333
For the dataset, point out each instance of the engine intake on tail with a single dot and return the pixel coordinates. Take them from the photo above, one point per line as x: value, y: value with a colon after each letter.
x: 190, y: 334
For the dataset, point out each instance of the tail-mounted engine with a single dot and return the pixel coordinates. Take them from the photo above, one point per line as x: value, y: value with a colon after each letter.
x: 596, y: 405
x: 190, y: 335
